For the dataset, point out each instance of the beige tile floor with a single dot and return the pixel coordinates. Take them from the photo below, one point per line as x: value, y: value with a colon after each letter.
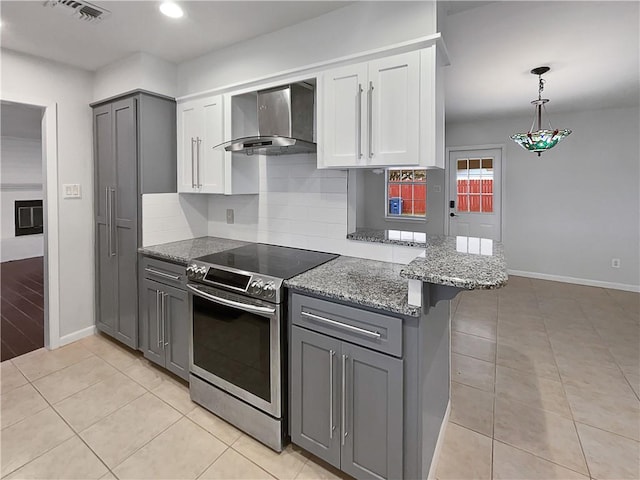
x: 545, y: 385
x: 95, y: 409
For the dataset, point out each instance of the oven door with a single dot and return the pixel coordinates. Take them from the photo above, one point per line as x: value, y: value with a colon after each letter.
x: 235, y: 345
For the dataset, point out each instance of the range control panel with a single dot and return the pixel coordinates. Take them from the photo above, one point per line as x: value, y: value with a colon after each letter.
x: 254, y: 285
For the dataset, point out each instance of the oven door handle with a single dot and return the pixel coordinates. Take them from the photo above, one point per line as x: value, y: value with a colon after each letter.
x: 231, y: 303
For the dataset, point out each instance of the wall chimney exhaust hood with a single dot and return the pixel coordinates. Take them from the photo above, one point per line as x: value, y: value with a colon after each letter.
x: 285, y: 123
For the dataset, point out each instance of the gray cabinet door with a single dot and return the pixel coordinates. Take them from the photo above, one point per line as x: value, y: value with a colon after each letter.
x: 315, y: 393
x: 176, y: 327
x: 373, y: 414
x: 125, y: 213
x: 105, y: 261
x: 151, y: 298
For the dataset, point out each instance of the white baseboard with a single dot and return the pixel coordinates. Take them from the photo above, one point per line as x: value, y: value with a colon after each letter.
x: 439, y: 442
x: 72, y: 337
x: 577, y: 281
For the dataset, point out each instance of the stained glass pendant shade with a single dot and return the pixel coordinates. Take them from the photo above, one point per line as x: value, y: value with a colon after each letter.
x: 542, y: 139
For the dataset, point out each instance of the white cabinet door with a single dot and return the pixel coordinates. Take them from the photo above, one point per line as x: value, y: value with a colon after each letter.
x: 188, y: 131
x: 371, y: 114
x: 393, y: 117
x: 200, y: 128
x: 344, y: 113
x: 211, y: 162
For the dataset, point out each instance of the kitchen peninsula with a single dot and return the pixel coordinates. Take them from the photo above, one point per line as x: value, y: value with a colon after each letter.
x: 395, y: 351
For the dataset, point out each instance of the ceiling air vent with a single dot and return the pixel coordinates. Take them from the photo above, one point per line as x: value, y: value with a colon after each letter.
x: 79, y: 9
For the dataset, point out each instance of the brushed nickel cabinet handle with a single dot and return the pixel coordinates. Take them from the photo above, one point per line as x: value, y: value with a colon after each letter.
x: 198, y: 184
x: 359, y: 136
x: 164, y: 319
x: 344, y: 398
x: 370, y: 119
x: 331, y: 426
x: 346, y: 326
x: 107, y: 213
x: 161, y: 274
x: 158, y: 314
x: 193, y: 164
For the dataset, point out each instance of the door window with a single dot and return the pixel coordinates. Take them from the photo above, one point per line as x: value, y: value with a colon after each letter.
x: 474, y: 184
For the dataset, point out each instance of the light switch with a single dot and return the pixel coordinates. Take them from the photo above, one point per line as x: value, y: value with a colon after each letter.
x: 437, y: 189
x: 72, y: 190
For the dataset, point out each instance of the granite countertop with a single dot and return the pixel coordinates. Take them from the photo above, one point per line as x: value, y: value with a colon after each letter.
x: 181, y: 252
x: 463, y: 262
x: 394, y: 237
x: 369, y: 283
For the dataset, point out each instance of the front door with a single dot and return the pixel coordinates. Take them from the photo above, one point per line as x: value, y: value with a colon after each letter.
x: 475, y: 201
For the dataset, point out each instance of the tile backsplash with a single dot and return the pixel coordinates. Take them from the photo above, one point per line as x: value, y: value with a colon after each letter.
x: 169, y: 217
x: 298, y: 206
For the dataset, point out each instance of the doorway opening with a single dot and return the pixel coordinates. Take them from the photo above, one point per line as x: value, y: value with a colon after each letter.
x: 22, y: 247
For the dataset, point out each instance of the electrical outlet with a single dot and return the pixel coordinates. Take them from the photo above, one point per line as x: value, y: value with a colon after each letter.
x: 615, y: 263
x: 229, y: 215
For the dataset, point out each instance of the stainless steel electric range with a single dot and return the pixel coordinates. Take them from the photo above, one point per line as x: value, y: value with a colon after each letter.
x: 238, y: 334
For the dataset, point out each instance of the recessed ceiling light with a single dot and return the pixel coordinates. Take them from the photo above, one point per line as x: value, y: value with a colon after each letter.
x: 171, y: 9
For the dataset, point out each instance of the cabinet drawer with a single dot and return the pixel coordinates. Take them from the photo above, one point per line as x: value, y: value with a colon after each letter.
x: 164, y: 272
x: 361, y: 327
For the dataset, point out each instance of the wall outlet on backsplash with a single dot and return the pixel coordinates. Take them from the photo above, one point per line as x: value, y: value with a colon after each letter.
x: 229, y: 215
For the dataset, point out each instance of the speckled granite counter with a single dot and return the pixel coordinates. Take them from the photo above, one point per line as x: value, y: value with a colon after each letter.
x: 180, y: 252
x: 394, y: 237
x: 363, y: 282
x: 463, y: 262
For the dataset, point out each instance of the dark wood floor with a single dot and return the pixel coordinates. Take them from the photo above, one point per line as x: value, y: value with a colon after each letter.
x: 22, y: 307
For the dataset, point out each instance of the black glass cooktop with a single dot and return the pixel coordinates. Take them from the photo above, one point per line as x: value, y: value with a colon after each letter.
x: 272, y: 260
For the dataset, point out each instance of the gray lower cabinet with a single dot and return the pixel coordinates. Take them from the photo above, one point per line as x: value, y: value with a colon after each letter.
x: 134, y: 153
x: 164, y: 315
x: 346, y: 400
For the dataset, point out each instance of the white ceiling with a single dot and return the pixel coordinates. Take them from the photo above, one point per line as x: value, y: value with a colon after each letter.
x: 592, y: 47
x: 138, y: 26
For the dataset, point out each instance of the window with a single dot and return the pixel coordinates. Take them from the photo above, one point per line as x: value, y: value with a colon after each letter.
x: 406, y: 193
x: 474, y: 179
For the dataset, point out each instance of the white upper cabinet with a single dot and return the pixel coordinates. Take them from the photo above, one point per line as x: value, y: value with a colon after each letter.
x: 375, y: 114
x: 202, y: 168
x: 200, y: 128
x: 342, y: 142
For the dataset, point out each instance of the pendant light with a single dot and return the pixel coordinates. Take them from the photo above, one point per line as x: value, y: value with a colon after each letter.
x: 540, y: 140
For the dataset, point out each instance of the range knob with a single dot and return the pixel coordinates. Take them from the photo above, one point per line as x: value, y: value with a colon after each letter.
x: 191, y: 269
x: 256, y: 286
x: 269, y: 290
x: 201, y: 271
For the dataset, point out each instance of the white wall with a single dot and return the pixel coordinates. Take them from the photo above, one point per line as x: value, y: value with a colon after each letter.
x: 138, y: 71
x: 358, y: 27
x: 31, y: 77
x: 298, y: 206
x: 20, y: 179
x: 570, y: 211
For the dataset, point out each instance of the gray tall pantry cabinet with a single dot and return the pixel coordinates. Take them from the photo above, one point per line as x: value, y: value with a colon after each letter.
x: 134, y: 153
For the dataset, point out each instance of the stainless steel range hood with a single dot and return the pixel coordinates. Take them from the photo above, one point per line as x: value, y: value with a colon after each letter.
x: 285, y: 123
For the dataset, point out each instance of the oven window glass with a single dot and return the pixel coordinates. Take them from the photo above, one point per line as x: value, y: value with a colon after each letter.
x: 233, y: 345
